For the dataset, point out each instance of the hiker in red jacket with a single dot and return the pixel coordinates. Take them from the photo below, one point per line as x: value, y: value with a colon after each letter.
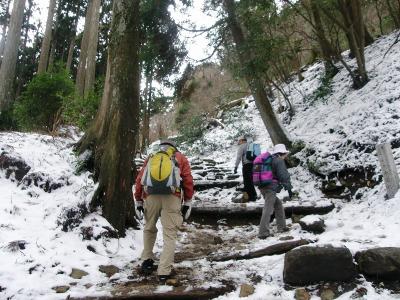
x: 164, y: 187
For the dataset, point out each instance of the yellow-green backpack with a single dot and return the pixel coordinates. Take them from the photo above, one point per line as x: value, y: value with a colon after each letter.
x: 162, y: 175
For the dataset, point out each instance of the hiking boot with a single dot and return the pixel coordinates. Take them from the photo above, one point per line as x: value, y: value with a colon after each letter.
x: 163, y: 278
x: 148, y: 266
x: 263, y: 237
x: 284, y: 229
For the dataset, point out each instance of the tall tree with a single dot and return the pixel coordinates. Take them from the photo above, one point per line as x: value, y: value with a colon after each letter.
x: 45, y: 49
x: 87, y: 59
x: 111, y: 137
x: 161, y: 53
x: 8, y: 65
x: 277, y: 133
x: 4, y: 18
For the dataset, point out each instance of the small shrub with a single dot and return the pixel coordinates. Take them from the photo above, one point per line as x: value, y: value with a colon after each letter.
x: 324, y: 89
x: 81, y: 111
x: 182, y: 111
x: 7, y: 120
x: 39, y: 106
x: 192, y: 129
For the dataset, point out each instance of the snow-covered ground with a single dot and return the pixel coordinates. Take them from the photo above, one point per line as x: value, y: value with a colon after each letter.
x: 344, y: 119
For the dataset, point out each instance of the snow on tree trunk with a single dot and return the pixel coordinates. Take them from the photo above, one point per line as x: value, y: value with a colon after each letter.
x: 8, y: 65
x: 277, y: 133
x: 45, y: 49
x: 112, y: 135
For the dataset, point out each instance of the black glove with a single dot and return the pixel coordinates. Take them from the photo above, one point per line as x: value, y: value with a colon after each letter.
x: 186, y: 209
x: 235, y: 170
x: 290, y: 194
x: 139, y: 209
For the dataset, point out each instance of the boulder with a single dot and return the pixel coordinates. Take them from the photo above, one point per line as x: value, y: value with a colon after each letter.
x: 302, y: 294
x: 308, y: 265
x: 312, y: 224
x: 77, y: 273
x: 381, y: 263
x: 246, y: 290
x: 109, y: 270
x: 61, y: 289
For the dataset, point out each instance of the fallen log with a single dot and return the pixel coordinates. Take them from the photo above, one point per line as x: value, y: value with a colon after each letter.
x: 270, y: 250
x: 218, y: 212
x: 210, y: 293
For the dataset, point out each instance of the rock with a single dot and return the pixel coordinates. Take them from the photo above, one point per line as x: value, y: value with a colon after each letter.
x: 301, y: 294
x: 77, y: 273
x: 327, y: 294
x: 88, y: 285
x: 246, y: 290
x: 109, y: 270
x: 381, y: 263
x: 308, y: 265
x: 61, y: 288
x: 312, y: 224
x: 173, y: 282
x: 359, y: 293
x: 218, y: 240
x: 296, y: 218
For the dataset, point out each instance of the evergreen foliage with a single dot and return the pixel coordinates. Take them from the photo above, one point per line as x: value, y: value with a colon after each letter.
x: 80, y: 111
x: 40, y: 105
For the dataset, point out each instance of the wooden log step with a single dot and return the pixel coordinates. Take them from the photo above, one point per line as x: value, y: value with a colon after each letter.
x: 201, y: 185
x: 256, y: 211
x: 275, y: 249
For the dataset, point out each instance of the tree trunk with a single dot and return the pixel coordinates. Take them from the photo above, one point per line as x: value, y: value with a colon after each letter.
x: 111, y: 137
x: 72, y: 42
x: 4, y: 32
x: 355, y: 33
x: 23, y: 61
x: 327, y: 50
x: 8, y: 65
x: 80, y: 74
x: 90, y: 72
x: 395, y: 17
x: 271, y: 122
x: 45, y: 49
x: 87, y: 60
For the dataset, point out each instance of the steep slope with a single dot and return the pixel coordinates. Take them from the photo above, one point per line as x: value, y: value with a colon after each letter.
x: 46, y: 231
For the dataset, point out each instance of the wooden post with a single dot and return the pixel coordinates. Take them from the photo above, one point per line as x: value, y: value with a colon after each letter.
x: 389, y: 170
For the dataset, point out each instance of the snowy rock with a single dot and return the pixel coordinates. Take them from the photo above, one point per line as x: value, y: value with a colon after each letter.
x: 109, y: 270
x: 327, y: 294
x: 381, y: 263
x: 301, y: 294
x: 77, y: 273
x: 246, y: 290
x: 312, y: 224
x: 307, y: 265
x: 43, y: 181
x: 61, y: 289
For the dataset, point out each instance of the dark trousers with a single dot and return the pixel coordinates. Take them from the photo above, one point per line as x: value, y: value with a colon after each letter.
x: 248, y: 181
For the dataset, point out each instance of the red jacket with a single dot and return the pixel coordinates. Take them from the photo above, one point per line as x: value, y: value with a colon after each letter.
x: 186, y: 174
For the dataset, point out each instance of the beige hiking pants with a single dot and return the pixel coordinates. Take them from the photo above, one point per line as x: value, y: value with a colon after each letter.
x: 169, y: 208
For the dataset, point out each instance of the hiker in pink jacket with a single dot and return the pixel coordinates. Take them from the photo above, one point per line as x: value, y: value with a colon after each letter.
x: 280, y: 178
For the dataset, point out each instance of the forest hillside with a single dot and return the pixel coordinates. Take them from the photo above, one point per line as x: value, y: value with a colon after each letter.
x: 53, y: 247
